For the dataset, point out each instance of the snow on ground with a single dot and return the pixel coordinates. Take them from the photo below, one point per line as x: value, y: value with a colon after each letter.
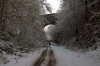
x: 28, y: 61
x: 66, y: 57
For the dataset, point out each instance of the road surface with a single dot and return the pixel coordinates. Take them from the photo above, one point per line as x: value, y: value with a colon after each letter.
x: 47, y: 58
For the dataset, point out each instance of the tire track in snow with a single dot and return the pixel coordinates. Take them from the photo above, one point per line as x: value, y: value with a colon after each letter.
x: 52, y: 59
x: 47, y: 57
x: 41, y: 59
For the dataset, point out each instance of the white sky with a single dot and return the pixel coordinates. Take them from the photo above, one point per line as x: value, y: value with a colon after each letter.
x: 55, y: 4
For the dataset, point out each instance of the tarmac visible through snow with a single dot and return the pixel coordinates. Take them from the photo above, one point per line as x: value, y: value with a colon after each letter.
x: 47, y: 58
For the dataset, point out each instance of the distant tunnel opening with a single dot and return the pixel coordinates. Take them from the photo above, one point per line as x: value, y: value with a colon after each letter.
x: 51, y: 33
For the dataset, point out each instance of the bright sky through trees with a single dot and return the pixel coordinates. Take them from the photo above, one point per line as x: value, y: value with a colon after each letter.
x: 55, y: 4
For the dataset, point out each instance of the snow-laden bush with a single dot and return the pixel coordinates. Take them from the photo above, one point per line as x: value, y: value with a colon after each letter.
x: 75, y: 22
x: 22, y: 24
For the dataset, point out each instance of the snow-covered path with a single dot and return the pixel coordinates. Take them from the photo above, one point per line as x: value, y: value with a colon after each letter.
x: 67, y: 57
x: 27, y: 61
x: 47, y: 58
x: 62, y: 56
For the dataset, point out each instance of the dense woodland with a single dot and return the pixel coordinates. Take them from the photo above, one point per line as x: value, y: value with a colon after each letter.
x: 79, y: 24
x: 21, y: 29
x: 20, y: 25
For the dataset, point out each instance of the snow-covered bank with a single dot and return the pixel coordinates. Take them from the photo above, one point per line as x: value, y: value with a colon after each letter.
x: 67, y: 57
x: 30, y: 58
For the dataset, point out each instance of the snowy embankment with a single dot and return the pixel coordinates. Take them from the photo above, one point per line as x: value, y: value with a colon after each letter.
x: 67, y: 57
x: 24, y: 61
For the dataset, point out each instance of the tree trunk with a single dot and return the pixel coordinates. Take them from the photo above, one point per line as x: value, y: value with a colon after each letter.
x: 2, y: 20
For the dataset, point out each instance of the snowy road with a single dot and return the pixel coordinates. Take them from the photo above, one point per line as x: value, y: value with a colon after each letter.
x: 47, y: 58
x: 58, y: 56
x: 66, y: 57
